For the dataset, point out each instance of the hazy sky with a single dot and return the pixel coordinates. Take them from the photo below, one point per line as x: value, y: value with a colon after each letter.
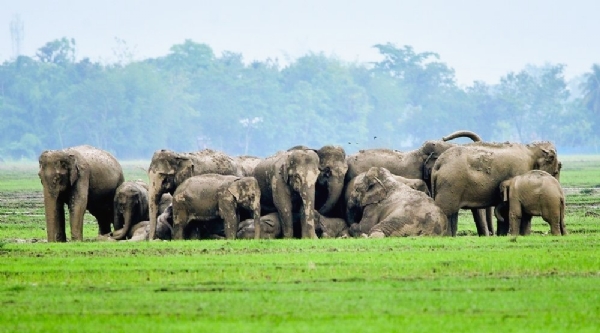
x: 481, y: 40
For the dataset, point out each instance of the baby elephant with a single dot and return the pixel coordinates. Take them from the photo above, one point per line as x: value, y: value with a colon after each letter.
x: 535, y: 193
x: 130, y: 207
x: 211, y: 196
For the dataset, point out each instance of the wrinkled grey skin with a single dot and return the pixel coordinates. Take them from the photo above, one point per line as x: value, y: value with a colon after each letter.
x: 389, y: 208
x: 535, y: 193
x: 168, y: 169
x: 246, y: 164
x: 130, y: 207
x: 211, y: 196
x: 82, y: 178
x: 469, y: 176
x: 287, y: 181
x: 326, y: 227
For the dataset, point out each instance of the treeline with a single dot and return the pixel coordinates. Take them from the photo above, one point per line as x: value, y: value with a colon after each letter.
x: 192, y: 98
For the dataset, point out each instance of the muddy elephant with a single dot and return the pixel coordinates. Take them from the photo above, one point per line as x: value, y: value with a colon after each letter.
x: 325, y: 227
x: 414, y: 164
x: 83, y: 178
x: 332, y: 173
x: 209, y: 197
x: 168, y: 169
x: 387, y: 208
x: 469, y: 176
x: 535, y: 193
x: 130, y: 207
x: 287, y: 182
x: 246, y: 164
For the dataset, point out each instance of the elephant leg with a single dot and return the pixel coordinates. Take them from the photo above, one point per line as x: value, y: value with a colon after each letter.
x: 489, y: 219
x: 514, y: 219
x: 229, y: 214
x: 179, y: 223
x: 525, y: 228
x: 453, y: 223
x: 479, y: 215
x: 76, y: 212
x: 282, y: 199
x: 104, y: 219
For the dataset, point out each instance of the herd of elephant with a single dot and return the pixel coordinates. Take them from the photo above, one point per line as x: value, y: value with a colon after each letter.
x: 307, y: 193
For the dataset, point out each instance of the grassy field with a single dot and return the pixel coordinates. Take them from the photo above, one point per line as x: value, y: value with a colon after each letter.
x: 468, y: 284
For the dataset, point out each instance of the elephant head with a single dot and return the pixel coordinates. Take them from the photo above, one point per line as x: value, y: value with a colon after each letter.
x: 130, y: 207
x: 546, y: 158
x: 243, y: 193
x: 332, y: 172
x: 368, y: 188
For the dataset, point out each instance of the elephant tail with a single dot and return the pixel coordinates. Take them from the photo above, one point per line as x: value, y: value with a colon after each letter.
x: 462, y: 134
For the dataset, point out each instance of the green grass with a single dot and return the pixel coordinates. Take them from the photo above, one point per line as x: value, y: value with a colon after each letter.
x: 466, y: 284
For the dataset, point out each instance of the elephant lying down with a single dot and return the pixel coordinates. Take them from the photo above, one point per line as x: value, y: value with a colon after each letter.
x: 388, y: 207
x: 325, y: 227
x: 164, y: 228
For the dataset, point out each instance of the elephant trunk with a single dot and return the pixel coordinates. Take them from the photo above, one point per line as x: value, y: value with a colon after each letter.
x: 334, y: 190
x: 122, y: 233
x: 55, y: 218
x: 463, y: 134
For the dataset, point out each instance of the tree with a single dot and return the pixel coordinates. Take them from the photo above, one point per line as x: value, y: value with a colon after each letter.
x: 591, y: 89
x: 59, y: 51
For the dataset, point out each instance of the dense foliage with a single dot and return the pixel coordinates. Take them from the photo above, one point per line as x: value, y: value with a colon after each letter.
x: 192, y: 98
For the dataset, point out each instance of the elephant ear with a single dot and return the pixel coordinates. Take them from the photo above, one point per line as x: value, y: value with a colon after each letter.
x: 74, y: 169
x: 375, y: 192
x: 235, y: 189
x: 184, y: 169
x: 283, y: 170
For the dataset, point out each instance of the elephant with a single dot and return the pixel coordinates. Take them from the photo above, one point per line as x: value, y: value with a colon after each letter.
x: 535, y: 193
x: 168, y: 169
x: 326, y: 227
x: 469, y: 176
x: 211, y: 197
x: 350, y: 214
x: 332, y: 173
x: 83, y: 178
x: 270, y: 227
x: 130, y: 208
x: 287, y: 182
x: 390, y: 208
x: 414, y: 164
x: 246, y: 164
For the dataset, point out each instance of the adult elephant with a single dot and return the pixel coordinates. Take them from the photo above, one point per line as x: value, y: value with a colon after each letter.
x: 415, y: 164
x: 83, y: 178
x: 130, y: 207
x: 388, y: 207
x: 211, y: 197
x: 168, y: 169
x: 469, y: 176
x: 287, y: 182
x: 332, y: 173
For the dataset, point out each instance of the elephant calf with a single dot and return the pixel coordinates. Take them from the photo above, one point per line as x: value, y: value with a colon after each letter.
x: 130, y: 207
x: 209, y: 197
x: 535, y: 193
x: 164, y: 229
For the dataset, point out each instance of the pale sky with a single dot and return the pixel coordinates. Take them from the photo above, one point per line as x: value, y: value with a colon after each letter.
x: 482, y: 40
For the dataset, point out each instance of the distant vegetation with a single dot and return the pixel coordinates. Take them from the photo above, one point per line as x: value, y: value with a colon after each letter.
x: 193, y: 98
